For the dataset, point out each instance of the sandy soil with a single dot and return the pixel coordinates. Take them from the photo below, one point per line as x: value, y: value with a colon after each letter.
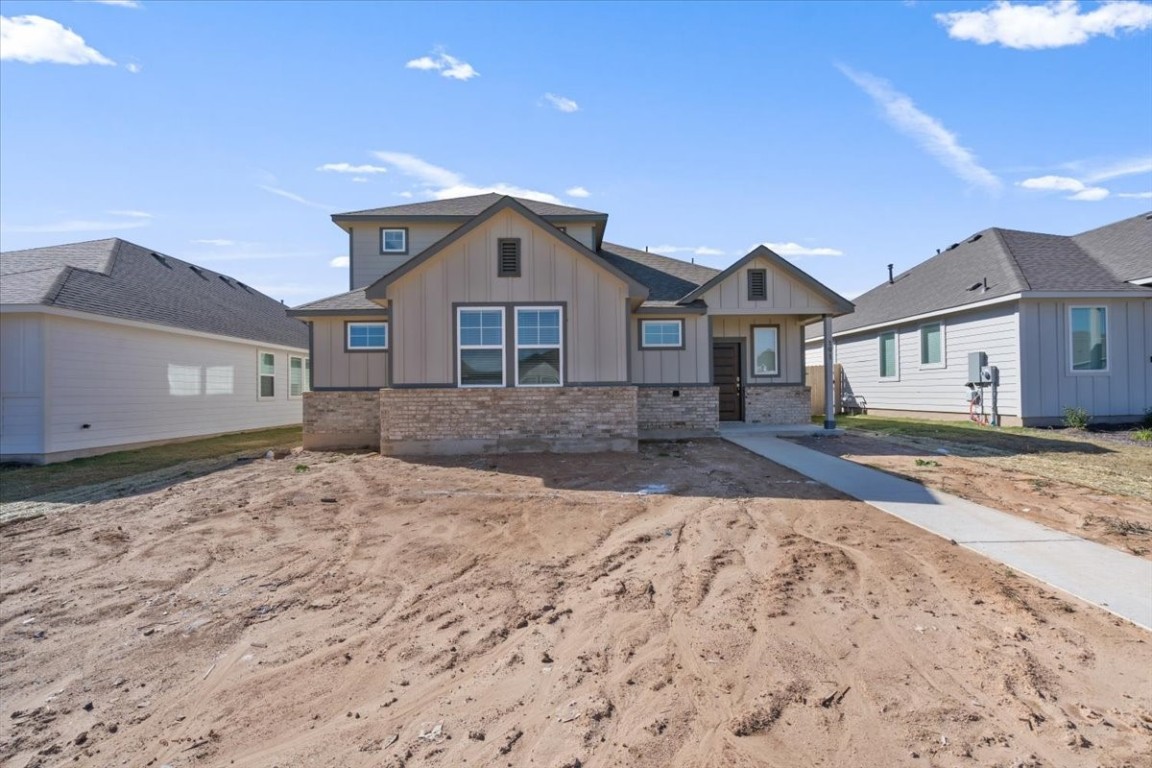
x: 330, y: 610
x: 1116, y: 519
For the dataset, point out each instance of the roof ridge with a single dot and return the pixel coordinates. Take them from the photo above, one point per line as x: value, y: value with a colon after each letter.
x: 1013, y: 264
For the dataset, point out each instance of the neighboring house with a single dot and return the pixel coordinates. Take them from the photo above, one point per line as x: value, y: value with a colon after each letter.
x: 495, y: 323
x: 106, y: 345
x: 1066, y: 320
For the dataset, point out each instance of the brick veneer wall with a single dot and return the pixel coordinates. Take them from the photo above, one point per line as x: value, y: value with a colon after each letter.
x: 671, y: 412
x: 778, y: 405
x: 335, y: 420
x: 507, y: 419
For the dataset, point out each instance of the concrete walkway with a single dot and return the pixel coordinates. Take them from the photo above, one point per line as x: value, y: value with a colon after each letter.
x: 1115, y: 581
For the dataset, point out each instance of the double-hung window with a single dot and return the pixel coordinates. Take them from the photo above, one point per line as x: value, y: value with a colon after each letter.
x: 297, y: 376
x: 367, y: 337
x: 889, y: 368
x: 539, y: 359
x: 480, y: 347
x: 1088, y: 338
x: 267, y: 375
x: 394, y: 240
x: 765, y: 350
x: 932, y: 345
x: 661, y: 334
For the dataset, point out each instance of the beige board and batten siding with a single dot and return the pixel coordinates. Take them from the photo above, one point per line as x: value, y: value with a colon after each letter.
x: 1125, y: 389
x: 369, y: 264
x: 790, y: 362
x: 135, y: 384
x: 334, y: 367
x: 941, y: 389
x: 672, y: 366
x: 786, y: 295
x: 423, y: 318
x: 21, y: 384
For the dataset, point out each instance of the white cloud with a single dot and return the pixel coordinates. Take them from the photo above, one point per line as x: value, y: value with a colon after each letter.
x: 134, y: 68
x: 1131, y: 167
x: 1136, y: 195
x: 795, y: 249
x: 1080, y: 190
x: 697, y: 250
x: 405, y: 194
x: 129, y: 220
x: 1051, y: 25
x: 33, y: 39
x: 562, y: 103
x: 448, y: 66
x: 339, y: 262
x: 577, y: 192
x: 349, y: 168
x: 928, y: 132
x: 294, y: 197
x: 216, y: 241
x: 132, y: 214
x: 441, y: 183
x: 359, y: 179
x: 117, y: 3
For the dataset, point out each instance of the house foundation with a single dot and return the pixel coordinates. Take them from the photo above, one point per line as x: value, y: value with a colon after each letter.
x: 677, y: 412
x: 343, y: 419
x: 778, y: 404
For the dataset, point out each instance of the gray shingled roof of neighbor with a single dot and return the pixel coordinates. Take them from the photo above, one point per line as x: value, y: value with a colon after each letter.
x: 116, y: 278
x: 1123, y: 247
x: 342, y: 304
x: 467, y: 206
x: 1011, y: 261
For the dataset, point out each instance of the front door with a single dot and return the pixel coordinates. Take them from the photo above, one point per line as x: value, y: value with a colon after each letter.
x: 726, y: 375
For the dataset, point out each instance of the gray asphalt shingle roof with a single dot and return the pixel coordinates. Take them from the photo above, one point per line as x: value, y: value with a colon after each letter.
x: 667, y: 279
x: 352, y: 301
x: 1011, y: 261
x: 116, y: 278
x: 469, y: 206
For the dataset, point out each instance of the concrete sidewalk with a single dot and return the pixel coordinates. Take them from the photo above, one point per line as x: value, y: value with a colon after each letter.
x: 1115, y: 581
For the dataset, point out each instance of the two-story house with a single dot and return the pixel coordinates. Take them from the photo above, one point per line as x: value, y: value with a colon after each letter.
x: 492, y: 323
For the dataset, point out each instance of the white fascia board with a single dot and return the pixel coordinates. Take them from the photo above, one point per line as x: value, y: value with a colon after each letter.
x: 94, y: 317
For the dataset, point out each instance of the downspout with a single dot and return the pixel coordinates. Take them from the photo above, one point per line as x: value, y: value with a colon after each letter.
x: 829, y: 392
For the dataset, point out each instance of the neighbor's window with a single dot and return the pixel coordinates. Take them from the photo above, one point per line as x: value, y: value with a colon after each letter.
x: 393, y: 241
x: 888, y: 355
x: 367, y: 336
x: 297, y: 376
x: 538, y: 344
x: 662, y: 333
x: 765, y: 350
x: 1089, y: 338
x: 480, y: 347
x: 267, y: 374
x: 932, y: 344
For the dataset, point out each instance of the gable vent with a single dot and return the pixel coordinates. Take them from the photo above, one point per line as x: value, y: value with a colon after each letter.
x: 757, y: 284
x: 508, y: 254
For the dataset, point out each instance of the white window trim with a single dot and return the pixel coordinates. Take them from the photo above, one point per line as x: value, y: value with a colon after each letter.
x: 776, y: 348
x: 460, y: 347
x: 1107, y: 357
x: 896, y: 346
x: 679, y: 329
x: 559, y: 346
x: 383, y: 241
x: 348, y: 336
x: 303, y: 376
x: 920, y: 347
x: 260, y: 375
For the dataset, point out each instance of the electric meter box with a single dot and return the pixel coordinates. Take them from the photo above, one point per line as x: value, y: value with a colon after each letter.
x: 976, y: 362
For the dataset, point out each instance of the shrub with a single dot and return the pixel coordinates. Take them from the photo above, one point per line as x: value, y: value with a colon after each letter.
x: 1076, y: 418
x: 1144, y: 435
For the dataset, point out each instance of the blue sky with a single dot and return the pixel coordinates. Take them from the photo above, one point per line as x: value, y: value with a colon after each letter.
x: 845, y: 135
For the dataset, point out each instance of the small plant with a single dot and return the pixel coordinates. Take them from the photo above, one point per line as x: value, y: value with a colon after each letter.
x: 1144, y: 435
x: 301, y: 468
x: 927, y: 463
x: 1076, y: 418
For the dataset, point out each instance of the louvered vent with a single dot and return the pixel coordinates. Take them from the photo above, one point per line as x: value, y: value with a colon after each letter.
x: 757, y: 284
x: 509, y: 255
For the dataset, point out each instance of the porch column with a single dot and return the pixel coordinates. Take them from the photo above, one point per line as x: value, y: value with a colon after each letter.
x: 829, y: 388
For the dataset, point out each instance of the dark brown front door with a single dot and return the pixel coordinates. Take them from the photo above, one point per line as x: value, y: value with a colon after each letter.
x: 726, y: 375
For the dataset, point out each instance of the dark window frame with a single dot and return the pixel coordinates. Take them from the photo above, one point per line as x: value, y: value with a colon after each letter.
x: 752, y: 349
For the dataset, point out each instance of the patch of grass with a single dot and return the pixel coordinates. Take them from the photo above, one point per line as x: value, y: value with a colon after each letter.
x: 1119, y: 525
x: 927, y: 463
x: 1143, y: 435
x: 1077, y: 418
x: 19, y: 482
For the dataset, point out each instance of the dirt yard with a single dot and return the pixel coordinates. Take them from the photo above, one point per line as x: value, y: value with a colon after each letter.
x: 352, y: 610
x: 1049, y: 487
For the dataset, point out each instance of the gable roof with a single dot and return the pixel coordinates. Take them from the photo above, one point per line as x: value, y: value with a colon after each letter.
x: 1123, y: 247
x: 995, y: 263
x: 763, y: 252
x: 350, y: 303
x: 378, y: 289
x: 668, y: 280
x: 464, y: 207
x: 116, y: 278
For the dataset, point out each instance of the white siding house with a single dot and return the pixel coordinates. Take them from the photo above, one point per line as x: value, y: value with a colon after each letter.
x: 105, y: 346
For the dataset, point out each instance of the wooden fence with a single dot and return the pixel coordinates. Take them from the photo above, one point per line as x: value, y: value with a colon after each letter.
x: 815, y: 377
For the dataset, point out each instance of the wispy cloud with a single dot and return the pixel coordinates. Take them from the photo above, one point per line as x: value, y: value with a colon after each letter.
x: 926, y: 130
x: 1136, y: 195
x: 293, y: 197
x: 1130, y: 167
x: 35, y: 39
x: 448, y: 66
x: 349, y: 168
x: 339, y: 262
x: 123, y: 220
x: 577, y: 192
x: 695, y: 250
x: 219, y: 242
x: 1080, y: 190
x: 562, y: 103
x: 441, y: 183
x: 1051, y: 25
x: 134, y: 68
x: 133, y: 214
x: 795, y: 249
x: 116, y: 3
